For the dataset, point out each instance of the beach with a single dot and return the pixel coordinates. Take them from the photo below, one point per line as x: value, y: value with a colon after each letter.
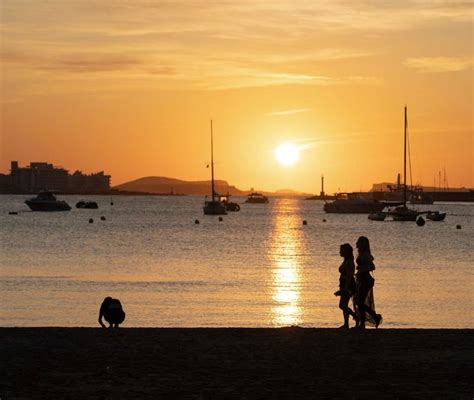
x: 208, y: 363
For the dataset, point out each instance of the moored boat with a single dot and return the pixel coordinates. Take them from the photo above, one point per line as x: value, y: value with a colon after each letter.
x: 435, y: 216
x: 47, y: 201
x: 379, y: 216
x: 87, y: 204
x: 403, y: 213
x: 418, y: 196
x: 256, y: 198
x: 213, y: 206
x: 229, y: 205
x: 353, y: 203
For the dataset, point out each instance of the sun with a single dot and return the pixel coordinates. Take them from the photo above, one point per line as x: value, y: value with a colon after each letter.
x: 287, y: 154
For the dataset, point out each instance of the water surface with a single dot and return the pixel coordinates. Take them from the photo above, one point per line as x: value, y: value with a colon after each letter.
x: 260, y: 267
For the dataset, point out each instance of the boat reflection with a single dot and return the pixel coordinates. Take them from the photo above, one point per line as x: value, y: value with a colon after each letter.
x: 284, y: 253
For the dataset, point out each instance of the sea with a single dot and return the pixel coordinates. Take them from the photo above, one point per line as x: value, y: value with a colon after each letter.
x: 260, y: 267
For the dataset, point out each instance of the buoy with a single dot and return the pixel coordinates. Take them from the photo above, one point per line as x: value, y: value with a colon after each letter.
x: 305, y: 222
x: 324, y: 220
x: 420, y: 221
x: 102, y: 218
x: 111, y: 203
x: 91, y: 220
x: 13, y: 213
x: 221, y: 219
x: 458, y: 226
x: 196, y: 221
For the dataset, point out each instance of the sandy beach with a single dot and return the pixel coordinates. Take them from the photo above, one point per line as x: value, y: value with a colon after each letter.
x: 87, y: 363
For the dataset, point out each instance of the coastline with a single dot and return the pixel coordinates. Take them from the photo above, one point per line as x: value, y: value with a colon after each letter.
x: 40, y: 363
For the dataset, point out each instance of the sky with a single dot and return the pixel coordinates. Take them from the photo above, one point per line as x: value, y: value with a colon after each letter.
x: 129, y: 87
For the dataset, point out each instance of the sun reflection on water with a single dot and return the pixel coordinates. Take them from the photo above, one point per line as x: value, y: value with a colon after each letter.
x: 284, y: 252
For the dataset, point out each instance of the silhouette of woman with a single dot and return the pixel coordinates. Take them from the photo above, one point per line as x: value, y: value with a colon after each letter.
x: 364, y: 298
x: 347, y: 285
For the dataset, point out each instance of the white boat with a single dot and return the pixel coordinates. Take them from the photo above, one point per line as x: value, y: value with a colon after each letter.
x: 256, y: 198
x: 213, y: 206
x: 46, y: 201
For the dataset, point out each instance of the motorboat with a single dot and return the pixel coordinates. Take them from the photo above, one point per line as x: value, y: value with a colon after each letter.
x: 256, y: 198
x: 213, y: 206
x: 353, y: 203
x: 435, y: 216
x: 230, y: 206
x: 378, y: 216
x: 87, y: 204
x: 46, y: 201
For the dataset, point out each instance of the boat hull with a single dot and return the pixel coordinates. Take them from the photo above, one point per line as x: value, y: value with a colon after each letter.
x: 341, y: 208
x: 234, y: 207
x: 214, y: 208
x: 404, y: 214
x: 48, y: 206
x: 87, y: 204
x: 436, y: 216
x: 380, y: 216
x: 256, y: 201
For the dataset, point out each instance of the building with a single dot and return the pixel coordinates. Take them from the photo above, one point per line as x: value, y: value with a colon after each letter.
x: 43, y: 176
x: 80, y: 183
x: 38, y: 176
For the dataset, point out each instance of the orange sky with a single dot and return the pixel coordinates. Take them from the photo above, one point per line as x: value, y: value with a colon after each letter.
x: 129, y: 87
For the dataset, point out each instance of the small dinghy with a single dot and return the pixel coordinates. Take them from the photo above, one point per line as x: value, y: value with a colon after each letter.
x: 436, y: 216
x: 87, y: 204
x: 379, y: 216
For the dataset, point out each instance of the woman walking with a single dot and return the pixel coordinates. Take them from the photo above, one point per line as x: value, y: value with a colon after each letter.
x: 347, y: 285
x: 364, y: 298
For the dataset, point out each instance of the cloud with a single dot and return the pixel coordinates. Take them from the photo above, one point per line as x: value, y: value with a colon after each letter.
x: 289, y: 112
x: 439, y: 64
x: 209, y: 46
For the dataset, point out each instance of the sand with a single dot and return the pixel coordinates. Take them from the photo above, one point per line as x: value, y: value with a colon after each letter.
x: 87, y: 363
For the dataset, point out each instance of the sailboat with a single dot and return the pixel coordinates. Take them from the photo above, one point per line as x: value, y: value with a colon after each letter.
x: 403, y: 213
x: 214, y: 206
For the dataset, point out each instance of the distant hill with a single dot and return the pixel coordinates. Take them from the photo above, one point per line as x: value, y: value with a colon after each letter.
x: 161, y: 184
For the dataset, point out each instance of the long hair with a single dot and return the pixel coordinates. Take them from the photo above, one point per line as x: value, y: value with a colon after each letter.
x: 363, y: 245
x: 347, y: 252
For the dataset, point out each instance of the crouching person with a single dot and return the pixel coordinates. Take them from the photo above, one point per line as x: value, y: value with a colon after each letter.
x: 111, y: 310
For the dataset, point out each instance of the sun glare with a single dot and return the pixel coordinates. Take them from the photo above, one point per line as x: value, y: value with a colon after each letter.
x: 287, y: 154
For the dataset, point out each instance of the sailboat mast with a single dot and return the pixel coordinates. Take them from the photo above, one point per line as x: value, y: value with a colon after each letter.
x: 212, y: 165
x: 405, y: 162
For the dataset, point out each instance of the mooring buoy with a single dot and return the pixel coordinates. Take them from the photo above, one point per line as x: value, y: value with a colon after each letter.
x: 221, y: 219
x: 458, y: 226
x: 196, y: 221
x: 102, y: 218
x: 91, y: 220
x: 305, y: 222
